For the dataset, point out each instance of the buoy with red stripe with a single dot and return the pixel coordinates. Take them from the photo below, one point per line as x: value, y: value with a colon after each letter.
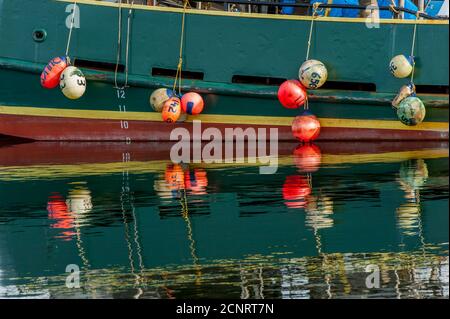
x: 192, y: 103
x: 53, y: 70
x: 306, y: 127
x: 292, y: 94
x: 171, y: 110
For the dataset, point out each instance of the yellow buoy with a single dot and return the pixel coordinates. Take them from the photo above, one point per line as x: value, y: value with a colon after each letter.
x: 401, y: 66
x: 159, y: 97
x: 313, y: 74
x: 72, y: 83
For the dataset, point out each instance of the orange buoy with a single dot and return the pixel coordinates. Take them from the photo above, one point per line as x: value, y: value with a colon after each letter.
x: 192, y: 103
x: 171, y: 110
x: 196, y: 181
x: 295, y: 189
x: 174, y: 176
x: 292, y: 94
x: 52, y: 72
x: 307, y: 158
x: 306, y: 127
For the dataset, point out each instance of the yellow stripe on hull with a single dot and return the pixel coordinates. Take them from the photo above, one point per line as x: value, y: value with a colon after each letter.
x: 221, y: 119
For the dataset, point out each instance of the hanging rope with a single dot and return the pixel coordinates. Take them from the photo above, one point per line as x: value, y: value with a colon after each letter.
x: 316, y: 11
x: 119, y: 45
x: 180, y: 59
x: 413, y: 45
x: 71, y: 28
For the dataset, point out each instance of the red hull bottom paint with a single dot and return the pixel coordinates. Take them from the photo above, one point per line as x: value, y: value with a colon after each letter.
x: 43, y: 128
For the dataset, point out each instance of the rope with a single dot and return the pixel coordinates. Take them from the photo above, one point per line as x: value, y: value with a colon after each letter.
x: 412, y: 47
x: 392, y: 7
x: 314, y: 15
x: 180, y: 58
x: 71, y: 27
x: 119, y: 45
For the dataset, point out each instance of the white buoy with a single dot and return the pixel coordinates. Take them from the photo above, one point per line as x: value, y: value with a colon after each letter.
x: 401, y: 66
x: 159, y: 97
x: 72, y: 83
x: 313, y: 74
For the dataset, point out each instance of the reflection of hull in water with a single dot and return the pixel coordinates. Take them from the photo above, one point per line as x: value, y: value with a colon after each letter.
x: 164, y: 230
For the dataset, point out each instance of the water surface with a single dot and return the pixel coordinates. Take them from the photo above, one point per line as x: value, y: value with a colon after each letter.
x: 139, y: 226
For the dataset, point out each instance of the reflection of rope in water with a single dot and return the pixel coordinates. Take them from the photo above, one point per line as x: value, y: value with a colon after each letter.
x: 185, y: 214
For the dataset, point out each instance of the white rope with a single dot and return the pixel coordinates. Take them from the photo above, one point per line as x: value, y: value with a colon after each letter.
x: 314, y: 15
x: 71, y: 27
x: 412, y: 47
x: 119, y: 45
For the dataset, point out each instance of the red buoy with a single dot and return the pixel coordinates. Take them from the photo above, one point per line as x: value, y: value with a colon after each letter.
x: 52, y: 72
x: 295, y: 189
x: 307, y: 158
x: 171, y: 110
x: 292, y: 94
x: 192, y: 103
x: 306, y: 127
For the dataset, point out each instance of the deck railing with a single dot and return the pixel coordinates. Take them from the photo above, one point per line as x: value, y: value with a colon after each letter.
x: 394, y: 9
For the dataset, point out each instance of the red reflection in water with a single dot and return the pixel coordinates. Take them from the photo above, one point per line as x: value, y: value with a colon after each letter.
x: 307, y: 158
x: 295, y: 191
x: 58, y: 210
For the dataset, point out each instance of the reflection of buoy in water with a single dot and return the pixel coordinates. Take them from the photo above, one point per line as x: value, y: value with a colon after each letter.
x: 58, y: 211
x: 192, y: 103
x: 313, y: 74
x: 174, y: 176
x: 292, y: 94
x: 401, y: 66
x: 52, y: 72
x: 295, y: 189
x: 411, y: 111
x: 72, y: 83
x: 306, y: 127
x: 171, y: 110
x: 307, y: 158
x: 196, y: 181
x: 413, y: 174
x: 79, y: 201
x: 159, y: 97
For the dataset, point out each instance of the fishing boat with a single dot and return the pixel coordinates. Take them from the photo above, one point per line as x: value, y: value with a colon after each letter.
x: 235, y: 60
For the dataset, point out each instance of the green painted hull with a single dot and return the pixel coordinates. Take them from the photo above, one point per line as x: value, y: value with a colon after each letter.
x: 221, y: 46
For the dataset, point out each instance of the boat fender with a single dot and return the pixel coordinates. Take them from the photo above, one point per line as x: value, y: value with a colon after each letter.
x: 52, y: 71
x: 72, y: 83
x: 411, y: 111
x: 292, y: 94
x: 171, y: 110
x: 159, y: 97
x: 401, y: 66
x: 306, y: 127
x: 192, y: 103
x: 313, y: 74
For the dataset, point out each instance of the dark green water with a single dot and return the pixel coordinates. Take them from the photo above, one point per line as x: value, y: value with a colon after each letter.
x: 138, y: 226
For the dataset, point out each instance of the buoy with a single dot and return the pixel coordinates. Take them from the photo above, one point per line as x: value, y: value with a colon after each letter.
x: 171, y: 110
x: 411, y: 111
x: 196, y: 181
x: 192, y: 103
x: 306, y: 127
x: 72, y: 83
x: 292, y: 94
x: 401, y: 66
x: 295, y: 189
x: 307, y: 158
x: 174, y: 176
x: 79, y: 201
x: 405, y: 91
x: 313, y: 74
x: 52, y: 71
x: 159, y: 97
